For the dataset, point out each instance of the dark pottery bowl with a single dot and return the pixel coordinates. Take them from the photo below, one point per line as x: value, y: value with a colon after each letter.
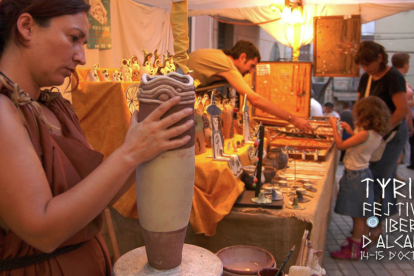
x: 269, y: 272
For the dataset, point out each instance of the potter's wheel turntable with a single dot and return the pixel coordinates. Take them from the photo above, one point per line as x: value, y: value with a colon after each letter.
x: 196, y: 261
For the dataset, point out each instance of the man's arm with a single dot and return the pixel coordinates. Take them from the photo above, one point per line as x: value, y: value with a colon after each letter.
x: 236, y: 80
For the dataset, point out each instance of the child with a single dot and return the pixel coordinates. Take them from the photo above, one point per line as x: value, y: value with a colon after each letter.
x: 372, y: 116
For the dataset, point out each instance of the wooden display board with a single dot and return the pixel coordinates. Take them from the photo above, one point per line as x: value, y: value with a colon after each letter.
x: 285, y: 84
x: 335, y: 44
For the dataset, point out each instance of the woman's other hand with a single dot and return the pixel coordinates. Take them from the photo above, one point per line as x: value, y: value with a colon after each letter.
x: 333, y: 121
x: 347, y: 127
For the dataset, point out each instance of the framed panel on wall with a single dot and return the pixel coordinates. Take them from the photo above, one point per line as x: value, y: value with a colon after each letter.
x: 285, y: 84
x: 336, y: 41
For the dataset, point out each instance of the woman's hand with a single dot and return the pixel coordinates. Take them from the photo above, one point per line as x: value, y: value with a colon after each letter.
x: 147, y: 139
x: 347, y: 127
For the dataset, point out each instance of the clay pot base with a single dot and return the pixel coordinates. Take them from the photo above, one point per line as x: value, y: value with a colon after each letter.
x: 164, y: 248
x: 195, y: 261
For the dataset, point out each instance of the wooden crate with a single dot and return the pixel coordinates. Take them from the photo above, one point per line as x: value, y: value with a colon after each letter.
x: 285, y: 84
x: 336, y: 41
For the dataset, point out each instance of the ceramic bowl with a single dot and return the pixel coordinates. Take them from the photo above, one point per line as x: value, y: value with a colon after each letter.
x: 245, y: 260
x: 269, y: 272
x: 250, y: 169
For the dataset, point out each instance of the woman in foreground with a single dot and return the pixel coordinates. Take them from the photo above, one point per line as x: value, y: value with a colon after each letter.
x: 53, y: 185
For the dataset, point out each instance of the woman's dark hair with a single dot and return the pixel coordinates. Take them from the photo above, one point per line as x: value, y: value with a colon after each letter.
x: 243, y: 46
x: 372, y: 113
x: 41, y: 11
x: 368, y: 52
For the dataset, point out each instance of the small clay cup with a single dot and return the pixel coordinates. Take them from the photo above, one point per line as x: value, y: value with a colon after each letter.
x: 269, y: 272
x: 269, y: 173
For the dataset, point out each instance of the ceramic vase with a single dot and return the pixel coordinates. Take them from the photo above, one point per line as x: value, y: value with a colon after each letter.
x: 165, y: 184
x: 277, y: 155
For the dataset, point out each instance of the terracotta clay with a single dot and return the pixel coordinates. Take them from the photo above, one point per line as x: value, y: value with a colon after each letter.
x: 165, y: 184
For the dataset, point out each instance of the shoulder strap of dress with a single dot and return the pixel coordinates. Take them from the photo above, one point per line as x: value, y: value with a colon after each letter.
x: 368, y: 88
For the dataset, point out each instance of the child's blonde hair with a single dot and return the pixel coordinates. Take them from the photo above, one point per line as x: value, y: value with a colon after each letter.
x: 372, y: 113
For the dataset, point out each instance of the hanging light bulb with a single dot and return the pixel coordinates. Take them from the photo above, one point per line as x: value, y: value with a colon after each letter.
x: 277, y: 5
x: 286, y: 16
x: 296, y: 17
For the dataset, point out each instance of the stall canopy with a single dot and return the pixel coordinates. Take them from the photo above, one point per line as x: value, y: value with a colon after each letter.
x: 258, y: 11
x: 145, y: 24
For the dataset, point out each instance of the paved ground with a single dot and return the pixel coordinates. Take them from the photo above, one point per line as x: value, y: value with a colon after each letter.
x: 340, y: 228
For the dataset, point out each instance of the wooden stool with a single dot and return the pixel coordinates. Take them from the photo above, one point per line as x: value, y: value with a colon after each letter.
x: 196, y: 261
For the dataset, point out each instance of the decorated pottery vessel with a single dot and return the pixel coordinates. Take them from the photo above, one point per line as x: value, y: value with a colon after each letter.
x: 165, y: 184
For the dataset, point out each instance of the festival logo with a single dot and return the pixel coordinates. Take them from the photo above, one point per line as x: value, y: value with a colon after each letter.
x: 396, y: 242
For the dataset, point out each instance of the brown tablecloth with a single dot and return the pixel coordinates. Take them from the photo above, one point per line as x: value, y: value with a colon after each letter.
x: 273, y: 230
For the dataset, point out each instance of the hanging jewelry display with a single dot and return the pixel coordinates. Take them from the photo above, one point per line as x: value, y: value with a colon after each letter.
x: 336, y: 41
x: 286, y: 85
x: 217, y: 140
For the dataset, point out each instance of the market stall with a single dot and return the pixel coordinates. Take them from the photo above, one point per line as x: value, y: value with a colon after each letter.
x: 214, y: 222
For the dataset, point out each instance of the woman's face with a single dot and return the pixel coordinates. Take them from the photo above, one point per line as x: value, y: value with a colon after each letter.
x: 57, y: 49
x: 373, y: 67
